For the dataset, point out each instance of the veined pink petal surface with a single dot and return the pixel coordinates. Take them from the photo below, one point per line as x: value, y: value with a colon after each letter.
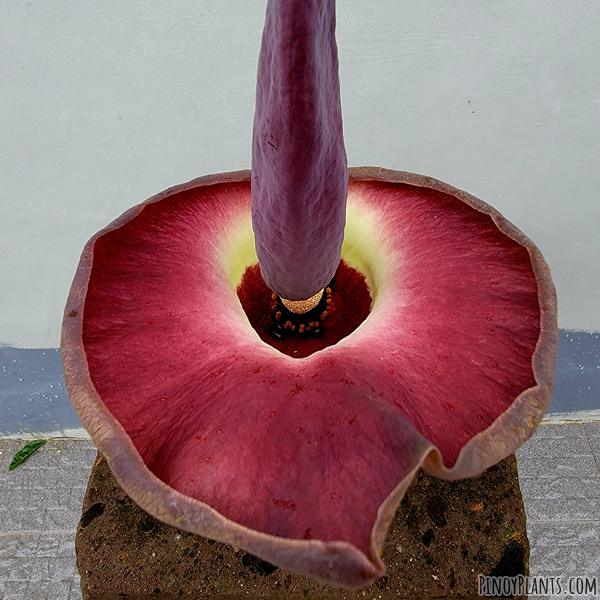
x: 299, y: 168
x: 303, y: 461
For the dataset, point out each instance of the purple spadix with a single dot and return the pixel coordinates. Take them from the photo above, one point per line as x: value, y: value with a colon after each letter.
x: 299, y: 167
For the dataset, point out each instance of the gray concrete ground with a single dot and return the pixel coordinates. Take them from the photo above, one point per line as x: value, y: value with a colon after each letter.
x: 40, y: 505
x: 559, y: 473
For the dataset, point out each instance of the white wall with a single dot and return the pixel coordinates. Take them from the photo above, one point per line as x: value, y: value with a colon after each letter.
x: 103, y: 104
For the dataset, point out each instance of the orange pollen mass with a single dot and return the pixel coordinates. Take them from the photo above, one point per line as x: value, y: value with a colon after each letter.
x: 302, y: 306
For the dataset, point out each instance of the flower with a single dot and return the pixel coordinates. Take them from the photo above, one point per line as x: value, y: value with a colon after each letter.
x: 303, y: 462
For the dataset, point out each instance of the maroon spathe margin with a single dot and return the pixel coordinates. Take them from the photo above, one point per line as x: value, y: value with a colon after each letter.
x: 303, y: 462
x: 299, y: 176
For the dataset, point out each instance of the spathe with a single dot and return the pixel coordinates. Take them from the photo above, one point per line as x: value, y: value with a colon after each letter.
x: 452, y: 370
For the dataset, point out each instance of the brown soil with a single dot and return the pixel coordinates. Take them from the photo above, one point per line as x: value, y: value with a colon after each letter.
x: 444, y: 535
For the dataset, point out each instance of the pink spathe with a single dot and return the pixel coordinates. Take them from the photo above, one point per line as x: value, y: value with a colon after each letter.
x: 299, y: 460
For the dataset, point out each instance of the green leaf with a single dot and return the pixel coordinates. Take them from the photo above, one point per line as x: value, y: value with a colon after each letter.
x: 25, y: 452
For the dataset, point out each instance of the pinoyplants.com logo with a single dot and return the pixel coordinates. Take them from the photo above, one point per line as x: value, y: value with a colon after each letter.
x: 519, y: 585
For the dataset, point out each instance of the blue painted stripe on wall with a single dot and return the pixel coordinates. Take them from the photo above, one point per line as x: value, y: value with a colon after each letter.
x: 33, y: 396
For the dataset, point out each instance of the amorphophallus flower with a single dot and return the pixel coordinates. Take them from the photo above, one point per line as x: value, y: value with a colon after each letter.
x: 293, y: 430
